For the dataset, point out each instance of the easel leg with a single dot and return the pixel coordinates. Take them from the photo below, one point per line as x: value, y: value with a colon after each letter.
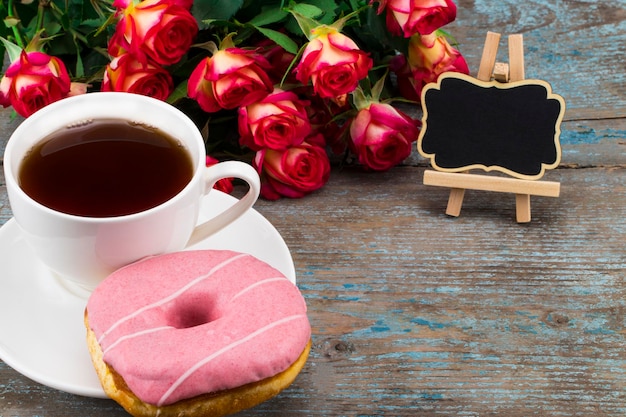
x: 455, y: 201
x: 516, y: 57
x: 488, y: 58
x: 522, y: 205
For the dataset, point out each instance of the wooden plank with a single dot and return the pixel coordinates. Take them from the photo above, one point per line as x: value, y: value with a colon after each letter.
x: 442, y: 303
x: 590, y: 74
x: 418, y: 314
x: 415, y: 313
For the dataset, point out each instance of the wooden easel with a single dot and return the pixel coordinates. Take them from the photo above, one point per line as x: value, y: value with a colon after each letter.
x: 459, y: 182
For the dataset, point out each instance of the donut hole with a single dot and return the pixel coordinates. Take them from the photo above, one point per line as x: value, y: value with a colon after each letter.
x: 190, y: 316
x: 190, y: 311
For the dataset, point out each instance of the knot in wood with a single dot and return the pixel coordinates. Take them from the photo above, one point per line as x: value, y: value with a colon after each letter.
x: 336, y: 349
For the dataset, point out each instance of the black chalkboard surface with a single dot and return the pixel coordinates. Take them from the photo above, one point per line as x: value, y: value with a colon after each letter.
x: 512, y: 128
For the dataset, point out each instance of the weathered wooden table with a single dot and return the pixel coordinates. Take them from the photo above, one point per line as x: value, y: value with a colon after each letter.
x: 417, y: 313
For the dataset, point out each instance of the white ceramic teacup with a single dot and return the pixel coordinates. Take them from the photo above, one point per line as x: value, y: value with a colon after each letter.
x: 86, y: 249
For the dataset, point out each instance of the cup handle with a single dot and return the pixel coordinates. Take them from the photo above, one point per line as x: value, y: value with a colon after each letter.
x: 214, y: 173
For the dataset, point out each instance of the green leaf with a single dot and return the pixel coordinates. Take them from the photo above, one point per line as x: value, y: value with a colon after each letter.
x: 215, y: 9
x: 268, y: 17
x: 307, y: 10
x: 378, y: 88
x: 93, y: 62
x: 360, y: 100
x: 281, y: 39
x: 92, y: 23
x: 11, y: 21
x: 357, y: 4
x: 80, y: 69
x: 329, y: 8
x: 179, y: 92
x: 4, y: 32
x: 307, y: 24
x: 13, y: 51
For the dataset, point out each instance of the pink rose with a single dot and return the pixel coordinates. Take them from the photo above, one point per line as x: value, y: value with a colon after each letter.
x: 128, y: 74
x: 118, y: 45
x: 430, y: 56
x: 381, y: 136
x: 32, y: 82
x: 160, y: 29
x: 224, y: 185
x: 294, y: 172
x: 230, y: 78
x: 122, y: 4
x: 409, y: 17
x: 333, y: 62
x: 278, y: 122
x: 183, y: 3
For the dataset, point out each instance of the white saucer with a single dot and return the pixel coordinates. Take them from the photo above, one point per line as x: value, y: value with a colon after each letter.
x: 42, y: 334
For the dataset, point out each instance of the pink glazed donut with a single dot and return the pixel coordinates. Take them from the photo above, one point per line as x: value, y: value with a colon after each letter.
x: 208, y: 332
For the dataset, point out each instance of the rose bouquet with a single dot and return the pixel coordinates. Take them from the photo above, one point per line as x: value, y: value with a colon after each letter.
x: 282, y: 84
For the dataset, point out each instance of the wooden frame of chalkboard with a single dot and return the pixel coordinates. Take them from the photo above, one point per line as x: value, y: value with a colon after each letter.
x: 510, y: 125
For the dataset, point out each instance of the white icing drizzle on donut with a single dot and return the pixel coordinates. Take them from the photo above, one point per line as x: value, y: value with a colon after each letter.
x: 132, y: 336
x: 170, y: 297
x: 256, y: 284
x: 225, y: 349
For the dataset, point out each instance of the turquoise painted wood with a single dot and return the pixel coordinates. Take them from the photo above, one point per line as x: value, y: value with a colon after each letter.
x: 415, y: 313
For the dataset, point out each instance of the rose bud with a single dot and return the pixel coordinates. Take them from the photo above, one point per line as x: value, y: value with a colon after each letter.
x: 231, y: 78
x: 278, y: 122
x: 128, y: 74
x: 294, y: 172
x: 381, y: 136
x: 33, y: 81
x: 333, y: 62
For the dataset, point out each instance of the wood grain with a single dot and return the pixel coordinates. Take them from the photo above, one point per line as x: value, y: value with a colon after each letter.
x: 468, y: 315
x: 416, y: 313
x: 413, y: 310
x: 577, y: 46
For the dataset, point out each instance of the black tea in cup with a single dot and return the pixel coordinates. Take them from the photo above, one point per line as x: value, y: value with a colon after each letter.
x: 105, y: 168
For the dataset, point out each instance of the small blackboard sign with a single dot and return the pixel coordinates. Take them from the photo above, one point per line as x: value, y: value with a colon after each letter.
x: 512, y: 127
